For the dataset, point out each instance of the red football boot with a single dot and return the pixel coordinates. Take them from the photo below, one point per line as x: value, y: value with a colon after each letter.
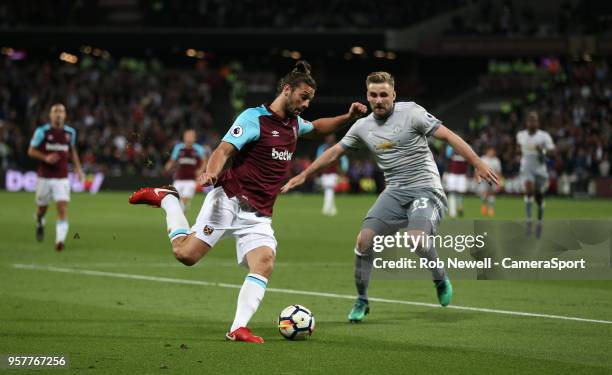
x: 153, y: 196
x: 59, y: 246
x: 243, y: 334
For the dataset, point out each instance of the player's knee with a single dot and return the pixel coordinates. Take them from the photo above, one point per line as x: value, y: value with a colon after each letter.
x: 539, y: 198
x: 364, y: 241
x: 419, y: 241
x: 264, y: 265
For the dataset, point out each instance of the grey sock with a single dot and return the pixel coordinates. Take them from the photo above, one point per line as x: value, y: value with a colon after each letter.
x: 431, y: 254
x: 540, y: 212
x: 363, y: 272
x: 528, y: 202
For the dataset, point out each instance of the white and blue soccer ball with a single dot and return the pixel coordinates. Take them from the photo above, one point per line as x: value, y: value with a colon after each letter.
x: 296, y: 322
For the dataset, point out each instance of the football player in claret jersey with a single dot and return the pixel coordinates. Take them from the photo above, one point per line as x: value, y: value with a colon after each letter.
x: 261, y: 143
x: 413, y: 199
x: 534, y: 144
x: 189, y: 158
x: 53, y: 144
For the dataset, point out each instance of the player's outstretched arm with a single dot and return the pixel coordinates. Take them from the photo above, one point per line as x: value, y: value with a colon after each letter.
x: 169, y: 165
x: 202, y: 167
x: 329, y: 156
x: 482, y: 171
x: 216, y: 162
x: 329, y: 125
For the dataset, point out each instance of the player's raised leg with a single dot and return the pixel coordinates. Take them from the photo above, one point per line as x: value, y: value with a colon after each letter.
x: 186, y: 247
x: 261, y: 264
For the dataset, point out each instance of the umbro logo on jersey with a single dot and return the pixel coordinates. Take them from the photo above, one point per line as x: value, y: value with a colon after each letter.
x: 275, y: 133
x: 281, y: 155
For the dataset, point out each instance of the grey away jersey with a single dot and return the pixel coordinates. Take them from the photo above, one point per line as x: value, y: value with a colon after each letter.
x: 492, y: 163
x: 399, y: 144
x: 531, y: 162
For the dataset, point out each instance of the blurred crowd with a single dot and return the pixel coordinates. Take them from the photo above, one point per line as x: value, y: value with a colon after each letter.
x: 223, y: 14
x: 575, y: 106
x: 128, y: 116
x: 522, y: 18
x: 127, y: 119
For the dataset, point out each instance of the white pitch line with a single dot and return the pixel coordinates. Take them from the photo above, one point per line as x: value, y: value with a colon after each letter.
x: 297, y: 292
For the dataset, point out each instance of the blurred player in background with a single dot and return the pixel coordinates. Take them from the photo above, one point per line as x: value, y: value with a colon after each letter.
x: 261, y: 143
x: 487, y: 192
x: 396, y: 133
x: 456, y: 181
x: 329, y: 177
x: 53, y: 144
x: 534, y: 144
x: 190, y: 159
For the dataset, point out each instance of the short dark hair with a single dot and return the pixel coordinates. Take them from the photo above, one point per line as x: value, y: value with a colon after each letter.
x: 380, y: 77
x: 299, y: 74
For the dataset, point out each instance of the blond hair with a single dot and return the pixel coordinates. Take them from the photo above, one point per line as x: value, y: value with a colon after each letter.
x: 380, y: 77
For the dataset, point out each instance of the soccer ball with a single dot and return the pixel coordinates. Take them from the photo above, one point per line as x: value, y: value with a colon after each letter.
x: 296, y: 322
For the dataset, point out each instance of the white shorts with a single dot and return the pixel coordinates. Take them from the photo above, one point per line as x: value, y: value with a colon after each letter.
x: 455, y: 183
x: 47, y: 189
x: 329, y: 180
x: 185, y: 188
x: 221, y: 217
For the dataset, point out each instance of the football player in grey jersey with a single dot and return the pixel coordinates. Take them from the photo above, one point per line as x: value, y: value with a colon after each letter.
x: 534, y: 144
x: 396, y: 133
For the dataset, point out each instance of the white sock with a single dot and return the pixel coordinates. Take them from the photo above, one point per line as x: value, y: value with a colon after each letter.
x: 61, y: 230
x: 183, y: 206
x: 251, y: 294
x: 328, y: 199
x: 452, y: 205
x: 175, y: 218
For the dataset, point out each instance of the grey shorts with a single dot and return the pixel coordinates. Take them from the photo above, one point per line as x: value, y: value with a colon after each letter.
x: 396, y: 209
x: 539, y: 180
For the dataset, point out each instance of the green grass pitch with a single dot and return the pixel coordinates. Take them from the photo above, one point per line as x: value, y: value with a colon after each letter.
x: 108, y: 324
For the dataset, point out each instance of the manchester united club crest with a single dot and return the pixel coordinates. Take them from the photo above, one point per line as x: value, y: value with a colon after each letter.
x: 208, y: 230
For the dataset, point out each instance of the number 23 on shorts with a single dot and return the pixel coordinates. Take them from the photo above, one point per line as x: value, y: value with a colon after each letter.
x: 419, y: 203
